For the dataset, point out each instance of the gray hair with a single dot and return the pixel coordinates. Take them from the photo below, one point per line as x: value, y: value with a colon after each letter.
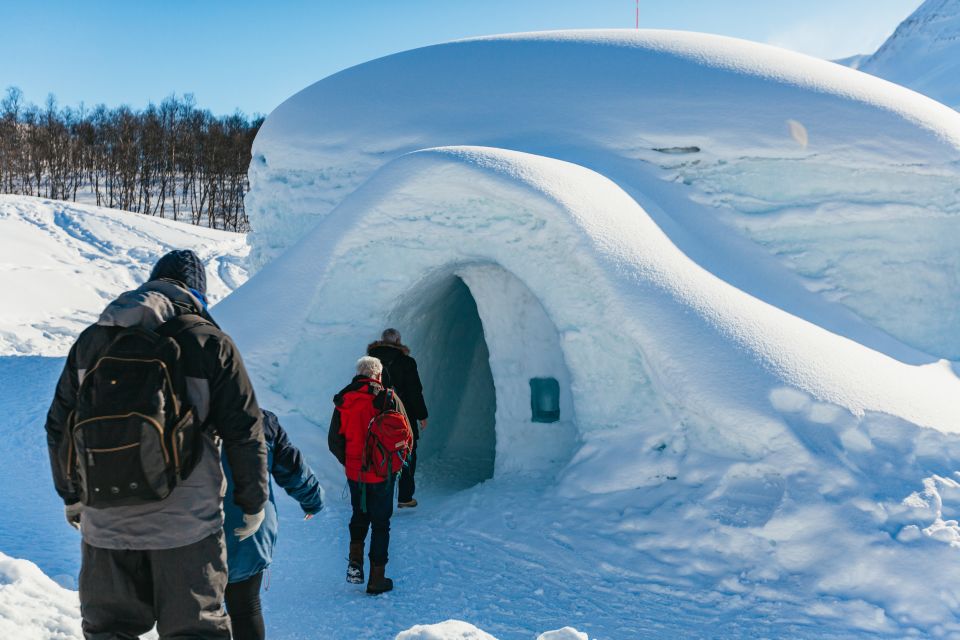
x: 369, y: 367
x: 391, y: 336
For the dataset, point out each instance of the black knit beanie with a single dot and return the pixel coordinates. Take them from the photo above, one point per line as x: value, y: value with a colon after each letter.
x: 182, y: 265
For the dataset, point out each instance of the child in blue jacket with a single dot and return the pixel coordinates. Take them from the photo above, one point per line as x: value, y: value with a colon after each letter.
x: 248, y: 558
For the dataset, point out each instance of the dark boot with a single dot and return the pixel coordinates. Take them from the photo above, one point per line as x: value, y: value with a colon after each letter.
x: 355, y: 567
x: 378, y: 583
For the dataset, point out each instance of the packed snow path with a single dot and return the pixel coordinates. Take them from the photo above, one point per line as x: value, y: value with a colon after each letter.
x: 506, y: 555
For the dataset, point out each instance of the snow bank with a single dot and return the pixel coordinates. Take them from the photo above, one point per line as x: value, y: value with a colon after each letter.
x: 449, y: 630
x: 61, y: 262
x: 842, y: 178
x: 34, y: 607
x: 924, y: 52
x: 457, y: 630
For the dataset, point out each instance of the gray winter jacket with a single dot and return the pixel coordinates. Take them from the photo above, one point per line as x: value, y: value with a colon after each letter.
x: 217, y: 386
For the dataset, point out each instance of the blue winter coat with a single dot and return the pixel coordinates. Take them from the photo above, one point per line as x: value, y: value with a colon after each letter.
x: 290, y: 470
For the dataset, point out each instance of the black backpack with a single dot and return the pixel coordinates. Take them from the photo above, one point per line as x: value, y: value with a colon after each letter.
x: 386, y: 380
x: 132, y: 435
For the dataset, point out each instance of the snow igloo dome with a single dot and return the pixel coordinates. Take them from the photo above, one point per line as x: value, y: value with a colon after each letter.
x: 640, y: 238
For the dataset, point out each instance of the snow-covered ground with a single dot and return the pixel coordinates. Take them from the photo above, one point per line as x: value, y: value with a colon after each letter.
x: 62, y: 262
x: 738, y: 263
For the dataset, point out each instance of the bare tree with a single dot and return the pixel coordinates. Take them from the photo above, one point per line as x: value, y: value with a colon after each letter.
x: 169, y: 160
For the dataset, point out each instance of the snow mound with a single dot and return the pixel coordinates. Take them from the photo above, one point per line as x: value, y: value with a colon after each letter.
x: 694, y: 261
x: 924, y: 52
x: 34, y: 607
x: 449, y: 630
x: 457, y: 630
x: 567, y: 633
x: 754, y: 160
x: 743, y: 439
x: 61, y: 262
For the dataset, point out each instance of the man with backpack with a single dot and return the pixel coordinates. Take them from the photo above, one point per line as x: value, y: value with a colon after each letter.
x: 146, y: 398
x: 400, y: 373
x: 371, y: 437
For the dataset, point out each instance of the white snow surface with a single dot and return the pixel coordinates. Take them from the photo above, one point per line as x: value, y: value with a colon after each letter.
x: 752, y: 159
x: 923, y: 53
x: 34, y: 607
x: 62, y: 262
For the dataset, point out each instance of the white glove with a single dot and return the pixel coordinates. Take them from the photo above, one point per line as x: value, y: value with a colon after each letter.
x: 251, y: 522
x: 72, y: 512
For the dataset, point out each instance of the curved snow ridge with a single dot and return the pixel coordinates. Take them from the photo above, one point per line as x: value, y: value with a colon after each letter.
x: 541, y: 93
x: 756, y: 161
x: 613, y: 283
x: 763, y: 61
x: 61, y: 262
x: 632, y: 249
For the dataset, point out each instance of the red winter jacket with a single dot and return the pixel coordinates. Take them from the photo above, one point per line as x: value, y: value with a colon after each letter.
x: 353, y: 411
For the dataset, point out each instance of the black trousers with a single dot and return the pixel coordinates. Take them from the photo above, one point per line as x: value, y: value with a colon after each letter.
x: 407, y: 485
x: 243, y: 605
x: 376, y: 517
x: 124, y: 592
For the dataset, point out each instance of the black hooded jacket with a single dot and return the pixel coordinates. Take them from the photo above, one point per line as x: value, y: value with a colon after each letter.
x: 217, y: 385
x: 400, y: 373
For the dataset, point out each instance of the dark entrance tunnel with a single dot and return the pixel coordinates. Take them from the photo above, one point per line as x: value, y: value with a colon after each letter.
x: 444, y: 330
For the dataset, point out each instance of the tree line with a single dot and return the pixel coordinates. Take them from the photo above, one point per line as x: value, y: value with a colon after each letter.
x: 172, y: 160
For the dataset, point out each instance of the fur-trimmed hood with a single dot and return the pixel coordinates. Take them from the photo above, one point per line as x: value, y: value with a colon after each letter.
x: 405, y: 350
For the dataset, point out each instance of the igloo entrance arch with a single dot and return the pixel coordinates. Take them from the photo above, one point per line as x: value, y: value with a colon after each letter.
x: 480, y: 336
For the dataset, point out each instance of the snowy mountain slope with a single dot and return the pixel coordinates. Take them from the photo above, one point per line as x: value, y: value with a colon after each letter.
x: 60, y: 263
x: 841, y: 178
x: 923, y: 53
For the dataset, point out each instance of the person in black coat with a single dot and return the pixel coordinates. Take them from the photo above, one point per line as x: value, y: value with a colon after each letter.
x: 400, y: 373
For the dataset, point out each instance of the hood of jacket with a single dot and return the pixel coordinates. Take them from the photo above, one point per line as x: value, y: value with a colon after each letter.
x: 152, y: 304
x: 348, y: 398
x: 379, y: 344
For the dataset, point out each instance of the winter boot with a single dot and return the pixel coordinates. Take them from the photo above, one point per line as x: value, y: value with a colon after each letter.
x: 355, y: 567
x: 407, y: 505
x: 378, y: 582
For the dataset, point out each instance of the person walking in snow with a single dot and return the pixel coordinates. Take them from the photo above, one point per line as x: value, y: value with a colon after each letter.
x: 400, y: 373
x: 371, y: 494
x: 248, y: 558
x: 146, y: 399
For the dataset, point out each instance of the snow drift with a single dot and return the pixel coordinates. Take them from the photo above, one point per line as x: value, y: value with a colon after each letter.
x: 62, y: 262
x: 34, y: 607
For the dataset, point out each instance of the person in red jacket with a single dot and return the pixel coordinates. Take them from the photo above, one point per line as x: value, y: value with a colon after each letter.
x: 370, y: 495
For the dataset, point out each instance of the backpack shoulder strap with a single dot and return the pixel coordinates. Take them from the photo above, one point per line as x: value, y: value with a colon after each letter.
x: 178, y: 324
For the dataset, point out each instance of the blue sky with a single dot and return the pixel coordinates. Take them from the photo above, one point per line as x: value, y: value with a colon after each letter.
x: 251, y: 55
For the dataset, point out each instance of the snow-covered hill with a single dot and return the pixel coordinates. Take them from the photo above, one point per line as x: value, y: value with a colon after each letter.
x: 61, y: 262
x: 739, y: 265
x: 923, y: 53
